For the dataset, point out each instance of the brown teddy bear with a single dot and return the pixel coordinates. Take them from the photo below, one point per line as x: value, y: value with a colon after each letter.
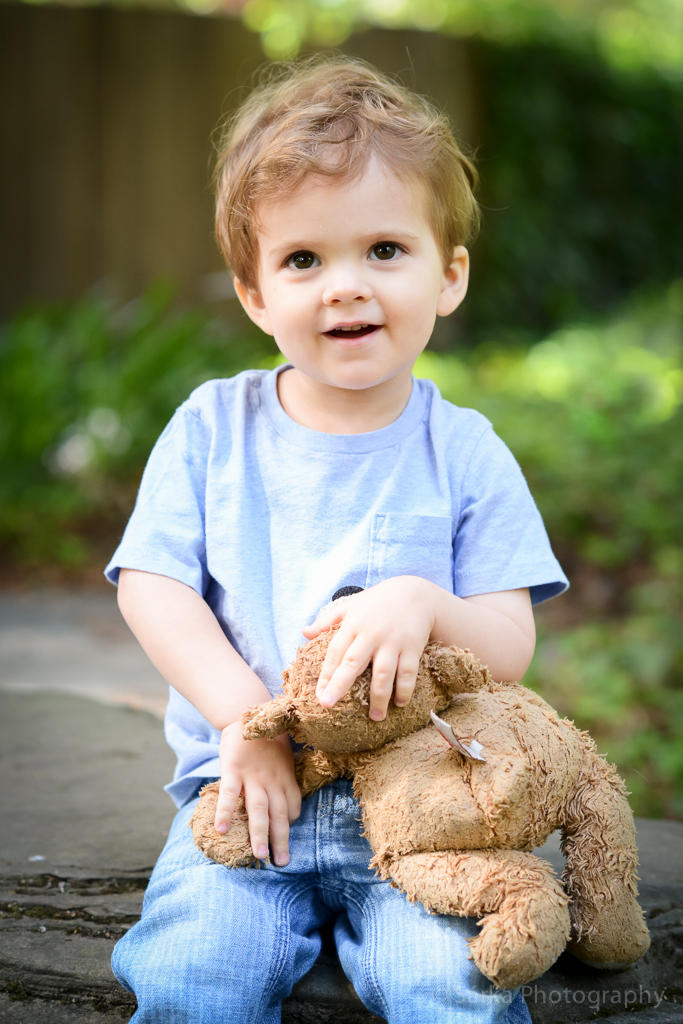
x: 452, y: 812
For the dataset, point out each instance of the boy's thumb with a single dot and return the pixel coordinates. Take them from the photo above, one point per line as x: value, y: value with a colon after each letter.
x: 331, y: 613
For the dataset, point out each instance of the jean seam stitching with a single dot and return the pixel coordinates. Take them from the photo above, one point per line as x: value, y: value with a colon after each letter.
x: 284, y: 902
x: 368, y: 959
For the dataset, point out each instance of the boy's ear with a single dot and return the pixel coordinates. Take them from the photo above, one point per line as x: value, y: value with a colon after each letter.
x: 455, y: 280
x: 253, y: 306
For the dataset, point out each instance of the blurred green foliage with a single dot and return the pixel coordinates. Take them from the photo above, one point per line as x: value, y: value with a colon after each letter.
x: 85, y: 390
x: 627, y: 33
x: 594, y: 414
x: 630, y: 34
x: 582, y: 189
x: 595, y: 417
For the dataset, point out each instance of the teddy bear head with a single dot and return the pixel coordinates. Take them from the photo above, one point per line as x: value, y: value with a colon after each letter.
x: 347, y: 727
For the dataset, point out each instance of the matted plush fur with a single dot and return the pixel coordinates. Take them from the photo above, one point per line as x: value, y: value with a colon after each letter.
x: 455, y: 834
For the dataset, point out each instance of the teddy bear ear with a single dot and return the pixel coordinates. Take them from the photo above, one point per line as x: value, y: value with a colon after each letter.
x: 268, y: 720
x: 457, y: 671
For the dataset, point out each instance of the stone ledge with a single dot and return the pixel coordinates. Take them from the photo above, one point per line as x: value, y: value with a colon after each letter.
x: 92, y: 777
x: 39, y: 1011
x: 56, y: 938
x: 25, y: 1010
x: 662, y: 1015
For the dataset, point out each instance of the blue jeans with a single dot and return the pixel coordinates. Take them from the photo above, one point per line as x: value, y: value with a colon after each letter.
x: 218, y: 944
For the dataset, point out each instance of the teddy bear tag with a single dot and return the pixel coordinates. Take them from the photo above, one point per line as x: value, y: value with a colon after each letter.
x: 468, y: 748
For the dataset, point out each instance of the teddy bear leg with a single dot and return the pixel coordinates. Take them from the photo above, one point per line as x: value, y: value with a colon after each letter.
x: 231, y: 848
x: 599, y: 841
x: 526, y: 919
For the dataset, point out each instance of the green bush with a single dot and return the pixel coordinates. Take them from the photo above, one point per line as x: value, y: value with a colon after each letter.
x: 581, y: 188
x: 85, y: 390
x: 593, y: 414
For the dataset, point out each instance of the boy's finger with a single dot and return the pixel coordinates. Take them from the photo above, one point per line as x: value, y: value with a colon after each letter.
x: 278, y: 814
x: 355, y: 660
x: 406, y: 675
x: 228, y: 793
x: 256, y: 800
x: 383, y: 674
x: 337, y: 649
x: 293, y: 794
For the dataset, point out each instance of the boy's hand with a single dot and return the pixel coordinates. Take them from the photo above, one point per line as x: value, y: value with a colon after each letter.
x: 264, y: 769
x: 388, y: 625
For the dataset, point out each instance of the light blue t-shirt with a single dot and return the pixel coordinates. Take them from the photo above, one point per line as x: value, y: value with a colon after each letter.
x: 266, y: 519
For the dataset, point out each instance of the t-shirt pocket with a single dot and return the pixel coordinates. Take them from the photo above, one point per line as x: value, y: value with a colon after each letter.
x: 411, y: 545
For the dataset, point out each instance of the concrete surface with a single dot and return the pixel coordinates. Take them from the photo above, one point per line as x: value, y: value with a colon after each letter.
x: 82, y: 786
x: 43, y: 1011
x: 75, y: 642
x: 83, y: 818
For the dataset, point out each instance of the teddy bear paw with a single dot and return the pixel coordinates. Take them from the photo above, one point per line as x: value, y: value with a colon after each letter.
x: 231, y: 848
x: 520, y: 942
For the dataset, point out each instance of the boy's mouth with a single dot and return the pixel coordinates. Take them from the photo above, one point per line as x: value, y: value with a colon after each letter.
x: 349, y: 332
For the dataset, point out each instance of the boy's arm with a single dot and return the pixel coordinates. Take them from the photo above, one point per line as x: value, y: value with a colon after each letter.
x: 183, y: 639
x: 390, y: 624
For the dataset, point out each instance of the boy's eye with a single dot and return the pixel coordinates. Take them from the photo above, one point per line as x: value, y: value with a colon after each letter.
x: 384, y: 251
x: 302, y: 260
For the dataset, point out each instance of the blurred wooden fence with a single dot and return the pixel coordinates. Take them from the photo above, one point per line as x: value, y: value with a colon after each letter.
x: 105, y: 120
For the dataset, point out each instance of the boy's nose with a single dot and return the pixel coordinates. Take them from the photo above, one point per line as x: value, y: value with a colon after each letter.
x: 346, y: 285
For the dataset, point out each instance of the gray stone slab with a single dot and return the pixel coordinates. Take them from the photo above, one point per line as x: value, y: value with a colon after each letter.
x: 54, y: 965
x: 56, y: 938
x: 660, y: 848
x: 81, y: 787
x: 25, y: 1010
x: 663, y: 1014
x: 76, y: 642
x: 74, y: 902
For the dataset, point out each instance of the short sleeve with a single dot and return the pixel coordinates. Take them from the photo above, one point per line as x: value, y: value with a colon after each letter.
x: 166, y: 532
x: 501, y: 542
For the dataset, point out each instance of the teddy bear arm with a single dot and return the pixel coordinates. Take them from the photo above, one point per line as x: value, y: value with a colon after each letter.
x: 525, y: 923
x: 599, y: 842
x: 231, y: 848
x: 268, y: 720
x: 458, y: 671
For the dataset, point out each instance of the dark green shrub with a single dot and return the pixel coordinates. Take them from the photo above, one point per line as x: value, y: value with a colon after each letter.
x: 582, y: 188
x: 85, y: 391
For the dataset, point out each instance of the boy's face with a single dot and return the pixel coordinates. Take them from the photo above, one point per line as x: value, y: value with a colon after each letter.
x: 351, y: 278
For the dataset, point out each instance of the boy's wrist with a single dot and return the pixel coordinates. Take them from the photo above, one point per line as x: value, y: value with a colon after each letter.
x: 434, y: 602
x: 444, y: 610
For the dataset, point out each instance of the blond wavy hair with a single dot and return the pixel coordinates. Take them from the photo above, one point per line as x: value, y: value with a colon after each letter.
x: 328, y: 117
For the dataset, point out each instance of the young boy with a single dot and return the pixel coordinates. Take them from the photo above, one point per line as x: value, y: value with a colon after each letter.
x: 343, y: 206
